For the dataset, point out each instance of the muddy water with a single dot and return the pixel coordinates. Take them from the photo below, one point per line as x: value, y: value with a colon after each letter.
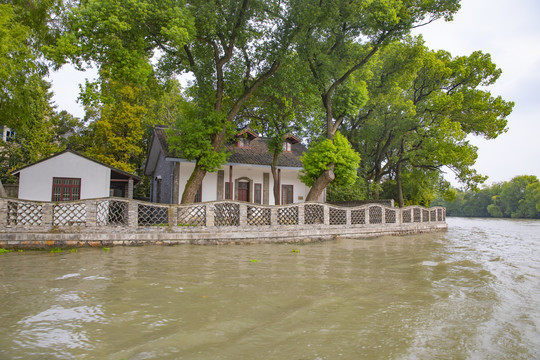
x: 470, y: 293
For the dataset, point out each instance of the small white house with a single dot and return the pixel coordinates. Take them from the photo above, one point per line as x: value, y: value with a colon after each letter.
x: 69, y: 175
x: 245, y: 177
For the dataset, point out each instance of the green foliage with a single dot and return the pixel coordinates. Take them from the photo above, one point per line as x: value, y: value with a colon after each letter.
x: 118, y: 132
x: 356, y: 191
x: 494, y: 211
x: 423, y: 104
x: 324, y: 152
x: 517, y: 198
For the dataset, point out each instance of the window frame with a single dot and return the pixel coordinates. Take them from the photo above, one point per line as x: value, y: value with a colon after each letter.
x: 243, y: 143
x: 287, y: 146
x: 66, y: 190
x: 283, y: 192
x: 257, y: 193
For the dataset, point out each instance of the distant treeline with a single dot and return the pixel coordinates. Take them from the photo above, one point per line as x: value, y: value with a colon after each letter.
x: 517, y: 198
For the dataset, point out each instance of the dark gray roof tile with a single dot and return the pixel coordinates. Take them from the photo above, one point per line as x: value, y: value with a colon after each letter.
x: 256, y: 154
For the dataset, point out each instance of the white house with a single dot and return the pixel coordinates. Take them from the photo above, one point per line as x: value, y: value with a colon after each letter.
x: 69, y: 175
x: 245, y: 177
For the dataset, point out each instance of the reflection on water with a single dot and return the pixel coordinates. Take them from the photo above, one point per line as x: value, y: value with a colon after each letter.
x: 473, y: 292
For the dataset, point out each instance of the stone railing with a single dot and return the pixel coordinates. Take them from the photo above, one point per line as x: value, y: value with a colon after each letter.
x: 119, y: 212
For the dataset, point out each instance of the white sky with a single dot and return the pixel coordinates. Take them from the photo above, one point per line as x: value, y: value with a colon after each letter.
x: 508, y: 30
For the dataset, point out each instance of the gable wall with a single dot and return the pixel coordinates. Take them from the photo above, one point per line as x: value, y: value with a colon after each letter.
x: 164, y: 169
x: 35, y: 182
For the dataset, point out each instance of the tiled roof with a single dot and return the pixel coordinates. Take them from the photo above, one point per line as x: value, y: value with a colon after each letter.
x: 256, y: 154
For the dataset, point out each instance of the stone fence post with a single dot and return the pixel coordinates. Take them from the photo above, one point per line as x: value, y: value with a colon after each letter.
x: 367, y: 214
x: 133, y: 214
x: 301, y: 214
x: 274, y: 215
x: 326, y: 214
x: 243, y: 221
x: 3, y: 212
x: 91, y: 213
x: 173, y: 216
x: 210, y: 216
x: 47, y: 219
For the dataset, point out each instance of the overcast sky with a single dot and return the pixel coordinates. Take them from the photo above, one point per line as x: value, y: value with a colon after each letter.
x: 508, y: 30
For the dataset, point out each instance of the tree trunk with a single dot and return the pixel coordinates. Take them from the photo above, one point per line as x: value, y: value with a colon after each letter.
x: 401, y: 203
x: 193, y: 185
x: 377, y: 189
x: 321, y: 183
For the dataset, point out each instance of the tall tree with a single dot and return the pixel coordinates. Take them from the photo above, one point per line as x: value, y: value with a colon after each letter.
x: 285, y: 106
x: 341, y: 40
x: 229, y: 47
x: 25, y: 97
x: 421, y: 122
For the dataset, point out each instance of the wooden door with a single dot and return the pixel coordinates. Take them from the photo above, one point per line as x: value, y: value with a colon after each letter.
x: 243, y: 191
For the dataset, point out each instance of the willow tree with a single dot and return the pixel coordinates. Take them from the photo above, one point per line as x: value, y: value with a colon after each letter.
x: 342, y: 38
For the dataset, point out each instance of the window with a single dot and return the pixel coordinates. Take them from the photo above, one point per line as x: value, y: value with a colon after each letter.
x: 287, y: 146
x: 66, y: 189
x: 243, y: 142
x: 258, y: 194
x: 228, y: 195
x: 286, y: 194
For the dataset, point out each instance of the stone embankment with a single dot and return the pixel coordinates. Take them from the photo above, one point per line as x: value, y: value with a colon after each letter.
x: 119, y: 221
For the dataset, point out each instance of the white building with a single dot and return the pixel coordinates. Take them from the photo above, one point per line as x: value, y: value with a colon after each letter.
x: 245, y: 177
x: 69, y: 175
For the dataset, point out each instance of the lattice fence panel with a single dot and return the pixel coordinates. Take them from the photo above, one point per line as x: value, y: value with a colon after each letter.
x: 417, y: 214
x: 389, y: 216
x: 69, y: 215
x: 338, y: 216
x: 151, y: 215
x: 440, y: 216
x: 112, y: 212
x: 314, y: 214
x: 407, y: 216
x: 425, y: 215
x: 288, y: 216
x: 433, y: 215
x: 258, y: 215
x: 375, y: 215
x: 227, y: 214
x: 192, y: 215
x: 21, y: 213
x: 358, y: 216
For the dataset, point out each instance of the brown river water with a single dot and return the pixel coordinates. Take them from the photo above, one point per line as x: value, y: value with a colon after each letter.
x: 470, y: 293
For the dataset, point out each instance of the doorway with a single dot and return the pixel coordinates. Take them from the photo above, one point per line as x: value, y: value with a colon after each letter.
x: 243, y: 191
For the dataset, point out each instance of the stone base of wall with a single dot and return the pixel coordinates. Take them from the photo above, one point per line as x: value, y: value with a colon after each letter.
x: 120, y: 236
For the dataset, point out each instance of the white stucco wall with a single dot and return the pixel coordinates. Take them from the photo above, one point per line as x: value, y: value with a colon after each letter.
x: 35, y: 182
x: 255, y: 173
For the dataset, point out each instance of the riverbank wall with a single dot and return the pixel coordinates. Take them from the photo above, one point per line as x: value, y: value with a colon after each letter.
x: 118, y: 221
